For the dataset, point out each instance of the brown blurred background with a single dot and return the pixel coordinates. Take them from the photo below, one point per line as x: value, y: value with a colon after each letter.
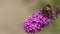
x: 12, y: 15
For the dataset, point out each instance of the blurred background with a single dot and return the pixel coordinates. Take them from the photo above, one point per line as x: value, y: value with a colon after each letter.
x: 13, y: 13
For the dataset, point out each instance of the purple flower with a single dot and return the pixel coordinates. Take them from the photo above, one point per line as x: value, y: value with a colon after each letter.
x: 54, y: 17
x: 36, y: 22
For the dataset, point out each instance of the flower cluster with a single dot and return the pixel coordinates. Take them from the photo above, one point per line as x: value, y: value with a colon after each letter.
x: 36, y: 22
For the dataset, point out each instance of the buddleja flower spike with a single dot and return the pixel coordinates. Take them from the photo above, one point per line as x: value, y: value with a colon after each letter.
x: 39, y: 20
